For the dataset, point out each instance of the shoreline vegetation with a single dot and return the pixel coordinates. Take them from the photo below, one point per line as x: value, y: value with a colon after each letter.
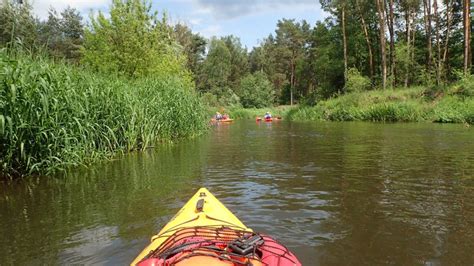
x: 56, y: 116
x: 452, y: 105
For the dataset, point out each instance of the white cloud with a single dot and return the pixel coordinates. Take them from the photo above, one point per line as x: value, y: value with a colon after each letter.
x: 41, y: 7
x: 210, y: 31
x: 195, y: 21
x: 227, y: 9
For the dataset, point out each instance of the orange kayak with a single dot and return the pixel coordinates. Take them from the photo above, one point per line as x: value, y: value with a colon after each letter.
x: 213, y: 120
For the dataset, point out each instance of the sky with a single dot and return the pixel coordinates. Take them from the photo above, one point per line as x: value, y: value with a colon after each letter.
x: 251, y: 20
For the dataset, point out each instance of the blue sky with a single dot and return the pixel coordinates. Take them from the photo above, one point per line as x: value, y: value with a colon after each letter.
x: 251, y: 20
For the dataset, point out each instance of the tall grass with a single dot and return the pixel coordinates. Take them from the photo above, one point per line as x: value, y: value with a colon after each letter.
x: 402, y: 105
x: 53, y: 116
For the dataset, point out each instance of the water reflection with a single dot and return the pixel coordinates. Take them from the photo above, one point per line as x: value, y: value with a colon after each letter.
x: 336, y: 193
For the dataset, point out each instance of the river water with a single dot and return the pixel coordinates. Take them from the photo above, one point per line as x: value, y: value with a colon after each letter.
x: 334, y: 193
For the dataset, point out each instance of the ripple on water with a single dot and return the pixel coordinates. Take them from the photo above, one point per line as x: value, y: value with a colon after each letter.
x: 335, y: 193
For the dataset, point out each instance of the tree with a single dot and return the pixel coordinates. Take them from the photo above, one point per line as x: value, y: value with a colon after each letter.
x: 216, y: 69
x: 438, y: 42
x: 72, y: 29
x: 193, y: 45
x: 267, y: 58
x: 367, y: 38
x: 18, y: 24
x: 132, y: 42
x: 467, y: 35
x: 427, y: 19
x: 238, y: 59
x: 290, y: 40
x: 381, y: 15
x: 326, y: 51
x: 256, y: 91
x: 449, y: 21
x: 391, y: 31
x: 63, y: 34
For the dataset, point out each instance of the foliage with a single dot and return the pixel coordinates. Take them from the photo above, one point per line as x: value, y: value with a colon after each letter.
x: 18, y: 24
x: 132, y: 42
x: 229, y: 98
x: 209, y: 99
x: 464, y: 87
x: 256, y: 91
x: 356, y: 82
x: 62, y: 34
x: 223, y: 69
x: 216, y: 69
x: 400, y: 105
x: 53, y: 116
x: 193, y: 46
x: 453, y: 109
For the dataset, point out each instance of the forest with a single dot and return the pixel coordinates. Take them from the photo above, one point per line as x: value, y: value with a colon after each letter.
x: 389, y: 60
x: 362, y: 45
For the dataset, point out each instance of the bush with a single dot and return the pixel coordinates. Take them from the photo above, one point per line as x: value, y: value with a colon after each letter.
x: 356, y: 82
x: 464, y: 87
x: 210, y: 99
x: 256, y: 91
x: 304, y: 113
x: 229, y: 98
x: 453, y: 109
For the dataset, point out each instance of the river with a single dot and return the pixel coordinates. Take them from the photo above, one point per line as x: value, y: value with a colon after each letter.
x: 334, y: 193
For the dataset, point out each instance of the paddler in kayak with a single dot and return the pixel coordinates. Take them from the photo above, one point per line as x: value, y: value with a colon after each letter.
x: 268, y: 116
x: 219, y: 116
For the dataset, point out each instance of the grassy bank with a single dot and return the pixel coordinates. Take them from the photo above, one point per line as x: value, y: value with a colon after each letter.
x: 53, y: 116
x: 252, y: 113
x: 453, y: 105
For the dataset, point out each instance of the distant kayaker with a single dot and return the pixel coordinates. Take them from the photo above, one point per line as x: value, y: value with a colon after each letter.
x: 219, y: 116
x: 268, y: 115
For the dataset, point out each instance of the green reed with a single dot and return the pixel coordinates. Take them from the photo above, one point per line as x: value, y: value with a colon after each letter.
x: 53, y: 116
x: 400, y: 105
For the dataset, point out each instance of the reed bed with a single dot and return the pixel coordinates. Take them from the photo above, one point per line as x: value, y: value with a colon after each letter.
x: 54, y: 116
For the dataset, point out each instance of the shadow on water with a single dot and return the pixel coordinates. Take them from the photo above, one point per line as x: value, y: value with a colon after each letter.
x: 335, y: 193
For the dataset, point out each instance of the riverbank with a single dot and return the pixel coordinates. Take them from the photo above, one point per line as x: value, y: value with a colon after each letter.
x: 252, y: 113
x: 452, y: 105
x: 54, y: 115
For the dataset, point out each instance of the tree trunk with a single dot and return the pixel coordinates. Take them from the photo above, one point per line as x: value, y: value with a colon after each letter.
x: 427, y: 18
x: 292, y: 81
x: 344, y: 40
x: 438, y: 43
x: 467, y: 36
x: 392, y: 42
x: 413, y: 36
x: 381, y: 15
x: 408, y: 28
x: 367, y: 40
x: 449, y: 17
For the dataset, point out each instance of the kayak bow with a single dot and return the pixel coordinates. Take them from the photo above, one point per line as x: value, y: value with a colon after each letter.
x: 205, y: 232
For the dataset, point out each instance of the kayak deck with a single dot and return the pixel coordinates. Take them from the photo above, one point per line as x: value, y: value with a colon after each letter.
x: 203, y: 209
x: 205, y: 232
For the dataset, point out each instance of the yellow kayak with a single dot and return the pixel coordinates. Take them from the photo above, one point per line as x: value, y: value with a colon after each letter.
x: 206, y: 219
